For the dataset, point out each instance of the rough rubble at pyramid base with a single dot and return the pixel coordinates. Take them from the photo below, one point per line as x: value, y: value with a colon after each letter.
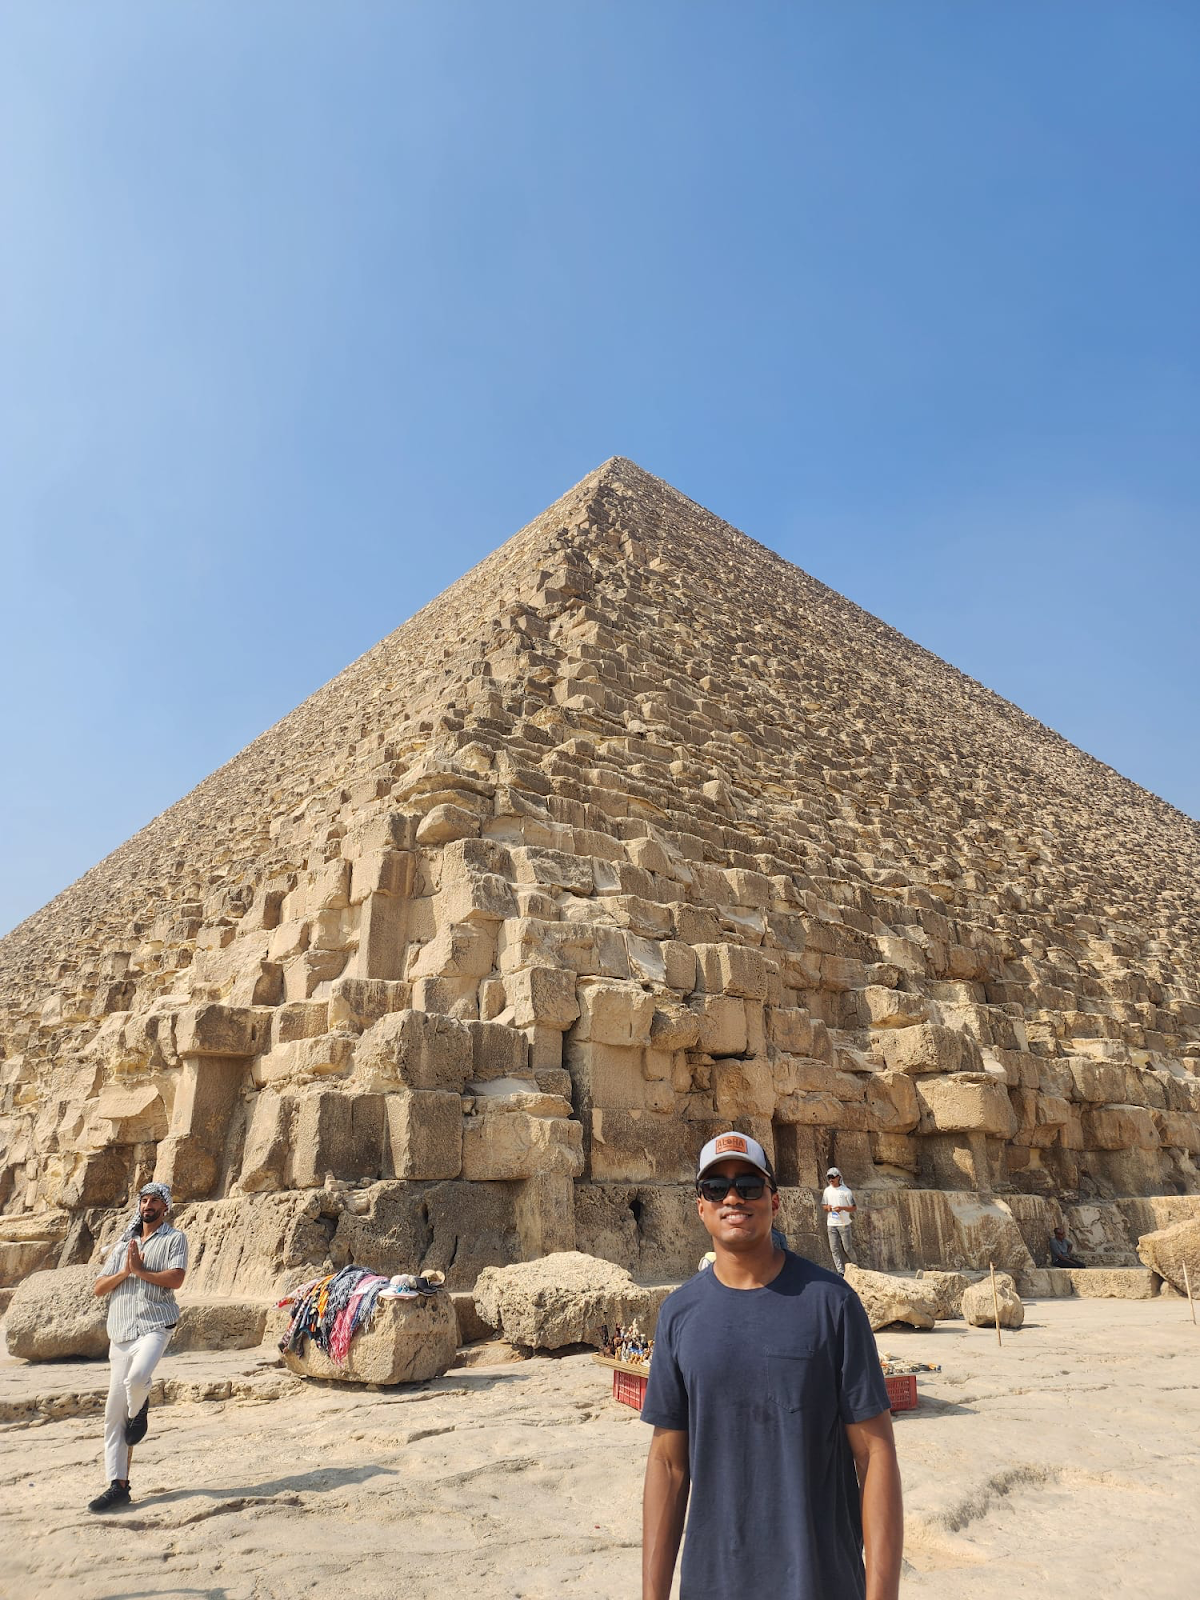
x: 637, y: 833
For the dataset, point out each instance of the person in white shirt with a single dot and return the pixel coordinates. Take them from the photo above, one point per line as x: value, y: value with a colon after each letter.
x: 141, y: 1274
x: 838, y: 1202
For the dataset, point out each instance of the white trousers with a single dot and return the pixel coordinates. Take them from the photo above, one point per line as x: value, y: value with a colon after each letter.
x: 132, y: 1363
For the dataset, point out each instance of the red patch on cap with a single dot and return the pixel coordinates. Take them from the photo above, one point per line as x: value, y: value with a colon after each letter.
x: 731, y: 1141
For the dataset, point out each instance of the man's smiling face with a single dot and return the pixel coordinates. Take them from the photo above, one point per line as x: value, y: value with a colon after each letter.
x: 152, y: 1208
x: 734, y: 1222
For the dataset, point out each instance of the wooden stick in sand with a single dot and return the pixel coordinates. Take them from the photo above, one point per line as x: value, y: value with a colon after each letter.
x: 996, y: 1304
x: 1187, y: 1284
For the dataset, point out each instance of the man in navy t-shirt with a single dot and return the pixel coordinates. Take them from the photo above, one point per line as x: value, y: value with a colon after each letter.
x: 770, y: 1413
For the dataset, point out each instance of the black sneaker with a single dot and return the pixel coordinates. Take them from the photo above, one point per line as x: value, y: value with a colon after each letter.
x: 135, y: 1428
x: 113, y: 1498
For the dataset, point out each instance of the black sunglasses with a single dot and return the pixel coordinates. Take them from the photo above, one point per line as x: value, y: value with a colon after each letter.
x: 747, y: 1186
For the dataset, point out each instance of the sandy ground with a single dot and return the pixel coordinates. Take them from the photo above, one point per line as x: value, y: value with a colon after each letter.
x: 1065, y: 1463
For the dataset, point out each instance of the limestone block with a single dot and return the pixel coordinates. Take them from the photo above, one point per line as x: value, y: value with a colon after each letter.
x: 680, y: 960
x: 302, y: 1019
x: 814, y: 1109
x: 979, y: 1308
x: 55, y: 1315
x: 674, y: 1027
x: 457, y: 950
x: 135, y: 1115
x: 731, y: 969
x: 962, y: 1103
x: 891, y: 1008
x: 268, y: 1142
x: 497, y: 1051
x: 895, y: 1150
x: 1119, y: 1127
x: 407, y: 1341
x: 722, y: 1025
x: 1179, y: 1130
x: 607, y: 1075
x: 928, y: 1047
x: 1167, y: 1249
x: 949, y: 1288
x: 563, y: 1299
x: 1097, y: 1082
x: 892, y: 1102
x: 542, y: 997
x: 614, y: 1013
x: 215, y: 1030
x: 355, y: 1003
x: 446, y: 822
x: 554, y: 869
x: 98, y: 1178
x: 1113, y: 1283
x: 415, y: 1050
x: 647, y: 963
x: 743, y: 1089
x: 791, y: 1029
x: 888, y: 1299
x: 337, y: 1132
x: 500, y: 1141
x: 219, y: 1324
x: 640, y: 1146
x: 424, y: 1133
x: 383, y: 872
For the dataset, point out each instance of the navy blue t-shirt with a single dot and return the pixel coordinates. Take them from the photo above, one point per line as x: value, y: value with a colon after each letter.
x: 763, y: 1381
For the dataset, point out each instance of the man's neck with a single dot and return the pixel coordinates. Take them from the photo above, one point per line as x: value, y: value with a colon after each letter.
x: 147, y: 1230
x: 748, y: 1269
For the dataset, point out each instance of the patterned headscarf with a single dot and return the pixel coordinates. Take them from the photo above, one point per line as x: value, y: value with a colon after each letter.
x: 134, y: 1225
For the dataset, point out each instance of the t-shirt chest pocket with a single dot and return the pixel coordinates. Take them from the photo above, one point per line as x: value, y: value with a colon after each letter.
x: 791, y: 1376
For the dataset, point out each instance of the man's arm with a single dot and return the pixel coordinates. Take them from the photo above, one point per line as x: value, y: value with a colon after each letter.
x: 168, y: 1278
x: 664, y: 1501
x: 108, y: 1281
x: 874, y: 1449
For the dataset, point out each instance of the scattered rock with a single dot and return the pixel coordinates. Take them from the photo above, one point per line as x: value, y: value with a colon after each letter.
x: 949, y: 1287
x: 563, y: 1299
x: 407, y: 1341
x: 890, y: 1299
x: 978, y: 1307
x: 56, y: 1314
x: 1166, y: 1250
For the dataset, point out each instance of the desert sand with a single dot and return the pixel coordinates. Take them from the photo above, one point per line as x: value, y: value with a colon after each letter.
x: 1066, y: 1463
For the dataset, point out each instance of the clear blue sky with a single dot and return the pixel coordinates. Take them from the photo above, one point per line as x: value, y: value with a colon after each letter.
x: 306, y: 307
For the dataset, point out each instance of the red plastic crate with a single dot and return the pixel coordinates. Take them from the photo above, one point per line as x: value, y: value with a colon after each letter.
x: 629, y: 1388
x: 902, y: 1391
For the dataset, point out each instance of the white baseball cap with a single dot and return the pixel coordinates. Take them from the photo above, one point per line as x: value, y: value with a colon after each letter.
x: 833, y: 1172
x: 739, y: 1146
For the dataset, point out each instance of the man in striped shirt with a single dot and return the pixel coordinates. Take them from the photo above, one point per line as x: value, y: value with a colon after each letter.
x: 143, y: 1270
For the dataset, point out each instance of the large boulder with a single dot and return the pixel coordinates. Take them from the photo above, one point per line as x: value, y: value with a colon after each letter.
x: 55, y: 1315
x: 949, y: 1288
x: 219, y: 1324
x: 1166, y: 1250
x: 406, y: 1341
x: 889, y: 1299
x: 563, y: 1299
x: 979, y: 1309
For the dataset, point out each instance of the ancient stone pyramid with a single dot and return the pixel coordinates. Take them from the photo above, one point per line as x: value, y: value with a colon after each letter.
x: 634, y: 833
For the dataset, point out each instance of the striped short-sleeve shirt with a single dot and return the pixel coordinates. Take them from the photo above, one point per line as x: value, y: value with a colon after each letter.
x: 136, y: 1307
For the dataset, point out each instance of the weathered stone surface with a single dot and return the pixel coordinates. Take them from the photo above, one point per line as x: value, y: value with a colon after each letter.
x: 979, y: 1306
x: 889, y: 1299
x: 949, y: 1288
x: 1166, y: 1251
x: 563, y: 1299
x: 219, y: 1324
x: 1113, y: 1283
x: 408, y: 1341
x: 57, y: 1314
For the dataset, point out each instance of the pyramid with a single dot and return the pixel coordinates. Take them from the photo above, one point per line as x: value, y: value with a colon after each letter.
x: 635, y: 833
